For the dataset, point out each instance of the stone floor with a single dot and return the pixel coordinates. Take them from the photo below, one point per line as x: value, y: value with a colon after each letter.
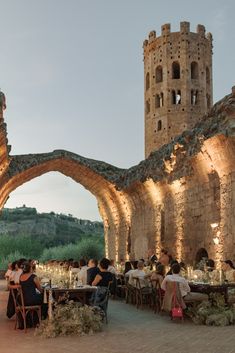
x: 129, y: 330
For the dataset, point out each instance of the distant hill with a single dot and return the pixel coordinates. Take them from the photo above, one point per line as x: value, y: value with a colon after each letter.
x: 51, y: 228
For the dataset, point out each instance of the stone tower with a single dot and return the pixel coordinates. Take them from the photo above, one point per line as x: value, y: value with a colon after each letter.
x: 178, y: 82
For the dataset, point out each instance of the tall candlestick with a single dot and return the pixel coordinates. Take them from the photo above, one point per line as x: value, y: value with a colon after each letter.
x: 220, y: 276
x: 50, y: 305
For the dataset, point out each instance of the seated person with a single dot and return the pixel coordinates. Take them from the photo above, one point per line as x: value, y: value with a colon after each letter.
x: 75, y: 267
x: 210, y: 264
x: 229, y: 270
x: 171, y: 264
x: 183, y: 285
x: 12, y: 274
x: 82, y: 275
x: 127, y: 267
x: 8, y: 274
x: 158, y: 274
x: 92, y: 271
x: 15, y: 277
x: 31, y: 287
x: 104, y: 277
x: 111, y: 268
x: 139, y: 272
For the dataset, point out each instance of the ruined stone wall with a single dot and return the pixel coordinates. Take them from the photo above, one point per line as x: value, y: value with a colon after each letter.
x: 178, y: 215
x: 169, y: 200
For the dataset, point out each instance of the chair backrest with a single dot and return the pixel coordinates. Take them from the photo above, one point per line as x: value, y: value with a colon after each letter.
x: 172, y: 289
x: 136, y: 282
x: 102, y: 295
x: 141, y: 282
x: 155, y: 283
x: 17, y: 295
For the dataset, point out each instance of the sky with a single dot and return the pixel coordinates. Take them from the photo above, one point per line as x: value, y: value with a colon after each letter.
x: 72, y: 72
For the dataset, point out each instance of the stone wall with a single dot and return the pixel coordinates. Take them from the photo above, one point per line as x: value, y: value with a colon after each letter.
x: 170, y: 200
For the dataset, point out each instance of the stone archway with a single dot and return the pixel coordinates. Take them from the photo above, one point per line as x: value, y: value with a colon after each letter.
x: 95, y: 176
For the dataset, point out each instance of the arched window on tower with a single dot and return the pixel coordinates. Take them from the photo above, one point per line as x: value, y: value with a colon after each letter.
x: 147, y: 106
x: 147, y: 81
x: 175, y: 70
x: 208, y: 76
x: 194, y: 70
x: 161, y: 100
x: 157, y: 101
x: 159, y: 125
x: 176, y: 97
x: 194, y: 97
x: 159, y: 74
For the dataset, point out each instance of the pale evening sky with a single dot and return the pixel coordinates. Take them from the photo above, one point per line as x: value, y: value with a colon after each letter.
x: 72, y: 72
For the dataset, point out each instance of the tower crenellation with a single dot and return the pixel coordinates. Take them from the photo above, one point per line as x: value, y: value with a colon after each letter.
x: 178, y: 82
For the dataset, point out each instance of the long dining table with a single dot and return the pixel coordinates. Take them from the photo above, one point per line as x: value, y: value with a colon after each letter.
x: 81, y: 293
x: 208, y: 288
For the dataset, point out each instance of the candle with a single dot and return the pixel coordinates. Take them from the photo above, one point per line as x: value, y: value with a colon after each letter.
x: 220, y: 276
x: 45, y: 296
x: 50, y: 305
x: 188, y: 272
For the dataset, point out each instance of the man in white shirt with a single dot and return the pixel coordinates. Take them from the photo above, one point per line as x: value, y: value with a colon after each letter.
x: 138, y: 273
x: 111, y: 268
x: 175, y: 277
x: 183, y: 285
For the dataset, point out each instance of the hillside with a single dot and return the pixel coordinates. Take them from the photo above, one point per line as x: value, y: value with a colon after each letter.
x: 51, y: 228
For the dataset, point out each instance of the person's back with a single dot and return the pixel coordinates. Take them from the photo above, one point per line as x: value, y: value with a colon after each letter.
x: 158, y: 275
x: 17, y: 273
x: 139, y: 272
x: 183, y: 286
x: 91, y: 273
x: 82, y: 274
x: 28, y: 289
x: 103, y: 278
x: 29, y: 284
x: 175, y: 277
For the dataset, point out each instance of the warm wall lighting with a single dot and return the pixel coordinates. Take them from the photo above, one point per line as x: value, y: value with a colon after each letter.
x: 214, y: 225
x: 216, y: 241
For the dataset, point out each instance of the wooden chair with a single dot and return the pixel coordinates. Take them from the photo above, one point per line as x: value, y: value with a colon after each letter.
x: 157, y: 295
x: 130, y: 294
x: 143, y: 294
x: 101, y: 299
x: 172, y: 288
x: 21, y: 309
x: 121, y: 286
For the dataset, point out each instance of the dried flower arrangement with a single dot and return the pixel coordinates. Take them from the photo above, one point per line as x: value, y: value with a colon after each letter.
x: 213, y: 312
x: 71, y: 318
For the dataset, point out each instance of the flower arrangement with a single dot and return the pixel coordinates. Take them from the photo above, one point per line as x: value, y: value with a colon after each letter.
x: 213, y: 312
x: 71, y: 318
